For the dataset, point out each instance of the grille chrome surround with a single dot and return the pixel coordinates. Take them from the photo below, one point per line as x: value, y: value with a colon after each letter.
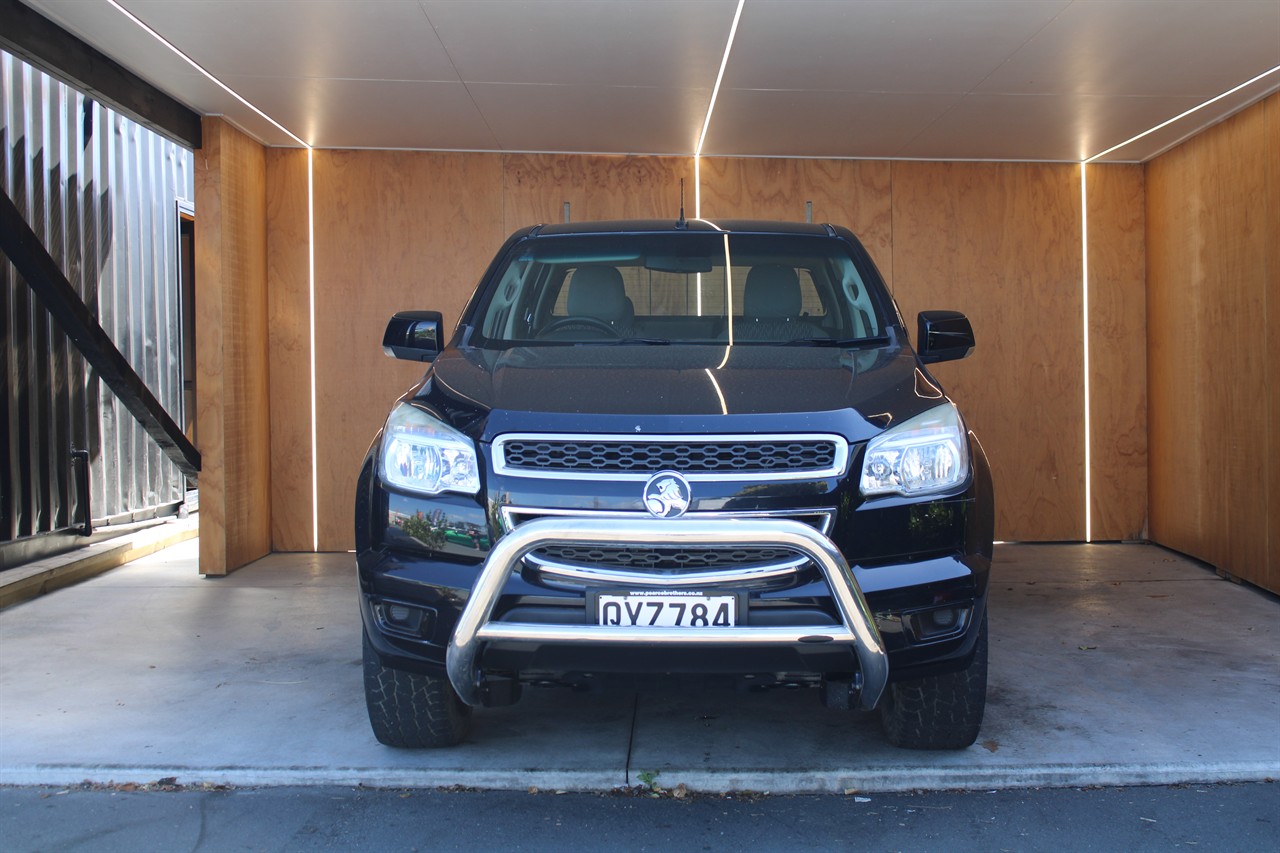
x: 806, y: 456
x: 819, y: 519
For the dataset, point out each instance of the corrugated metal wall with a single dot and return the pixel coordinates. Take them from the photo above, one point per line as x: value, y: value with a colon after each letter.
x: 101, y: 192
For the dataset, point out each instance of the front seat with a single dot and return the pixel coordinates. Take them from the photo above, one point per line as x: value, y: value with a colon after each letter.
x: 597, y: 292
x: 771, y: 306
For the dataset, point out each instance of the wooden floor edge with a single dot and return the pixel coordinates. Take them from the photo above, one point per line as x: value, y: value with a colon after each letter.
x: 112, y: 556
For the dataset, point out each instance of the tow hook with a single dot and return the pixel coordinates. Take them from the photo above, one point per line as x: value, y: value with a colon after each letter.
x: 498, y: 691
x: 842, y: 694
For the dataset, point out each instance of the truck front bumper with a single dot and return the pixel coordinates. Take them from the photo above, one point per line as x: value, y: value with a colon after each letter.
x: 475, y: 626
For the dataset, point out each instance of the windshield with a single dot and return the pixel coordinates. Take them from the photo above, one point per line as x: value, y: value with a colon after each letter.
x: 694, y: 288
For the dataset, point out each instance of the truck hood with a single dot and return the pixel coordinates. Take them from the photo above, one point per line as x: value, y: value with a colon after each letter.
x: 671, y: 386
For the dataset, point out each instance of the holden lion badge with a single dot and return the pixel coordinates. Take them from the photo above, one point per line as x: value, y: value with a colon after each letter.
x: 667, y: 495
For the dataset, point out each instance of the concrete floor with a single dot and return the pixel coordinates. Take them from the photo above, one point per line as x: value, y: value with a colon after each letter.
x: 1110, y: 665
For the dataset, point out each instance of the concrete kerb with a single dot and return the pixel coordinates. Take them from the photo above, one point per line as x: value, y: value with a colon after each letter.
x: 867, y: 780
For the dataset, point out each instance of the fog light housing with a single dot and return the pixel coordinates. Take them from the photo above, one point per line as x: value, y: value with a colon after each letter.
x: 937, y: 623
x: 405, y: 620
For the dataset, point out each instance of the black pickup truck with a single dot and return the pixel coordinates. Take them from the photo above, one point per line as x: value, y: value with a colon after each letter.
x: 657, y: 451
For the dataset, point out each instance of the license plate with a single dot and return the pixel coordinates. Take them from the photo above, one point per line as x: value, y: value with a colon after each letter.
x: 667, y: 610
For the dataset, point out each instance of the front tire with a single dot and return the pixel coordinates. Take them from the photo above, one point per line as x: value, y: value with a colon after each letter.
x: 939, y: 711
x: 410, y: 710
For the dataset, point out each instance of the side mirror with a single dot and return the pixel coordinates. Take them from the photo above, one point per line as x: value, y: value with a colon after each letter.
x: 413, y: 335
x: 943, y: 336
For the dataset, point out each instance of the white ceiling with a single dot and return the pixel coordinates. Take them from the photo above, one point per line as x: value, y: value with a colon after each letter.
x: 1057, y: 80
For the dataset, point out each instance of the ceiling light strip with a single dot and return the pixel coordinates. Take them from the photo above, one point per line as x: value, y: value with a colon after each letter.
x: 311, y: 252
x: 197, y: 66
x: 1183, y: 115
x: 711, y: 106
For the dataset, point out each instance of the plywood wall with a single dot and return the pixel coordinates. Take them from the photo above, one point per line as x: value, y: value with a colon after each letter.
x: 289, y: 342
x: 397, y: 230
x: 393, y: 230
x: 231, y: 349
x: 1001, y: 242
x: 853, y: 193
x: 1118, y: 350
x: 1271, y: 144
x: 1213, y: 227
x: 536, y: 186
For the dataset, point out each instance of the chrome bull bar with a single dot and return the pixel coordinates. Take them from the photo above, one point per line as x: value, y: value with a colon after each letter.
x: 474, y: 627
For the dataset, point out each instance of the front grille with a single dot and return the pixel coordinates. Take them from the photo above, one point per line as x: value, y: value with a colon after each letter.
x: 733, y: 455
x: 578, y: 565
x: 660, y: 558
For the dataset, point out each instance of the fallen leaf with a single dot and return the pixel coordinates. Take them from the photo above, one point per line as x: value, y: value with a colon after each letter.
x: 1087, y: 648
x: 990, y: 745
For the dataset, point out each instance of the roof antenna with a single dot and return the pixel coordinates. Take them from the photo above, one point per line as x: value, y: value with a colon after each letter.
x: 681, y: 223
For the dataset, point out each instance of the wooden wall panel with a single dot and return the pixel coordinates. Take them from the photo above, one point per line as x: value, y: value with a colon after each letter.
x: 1001, y: 242
x: 852, y: 193
x: 1118, y: 350
x: 1211, y: 232
x: 536, y: 186
x: 394, y: 230
x: 231, y: 350
x: 289, y: 339
x: 1269, y: 577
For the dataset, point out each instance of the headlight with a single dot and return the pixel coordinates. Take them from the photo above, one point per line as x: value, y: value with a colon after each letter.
x: 928, y: 453
x: 422, y: 454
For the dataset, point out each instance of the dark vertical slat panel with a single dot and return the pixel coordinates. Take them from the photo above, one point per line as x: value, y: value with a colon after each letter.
x: 61, y: 137
x: 76, y: 402
x: 98, y: 242
x: 35, y: 319
x: 10, y: 493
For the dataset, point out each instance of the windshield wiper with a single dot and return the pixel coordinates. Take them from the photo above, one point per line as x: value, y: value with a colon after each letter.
x: 845, y: 343
x: 653, y: 342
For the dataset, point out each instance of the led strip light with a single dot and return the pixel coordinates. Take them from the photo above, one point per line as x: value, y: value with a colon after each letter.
x: 1084, y: 312
x: 1182, y: 115
x: 711, y: 106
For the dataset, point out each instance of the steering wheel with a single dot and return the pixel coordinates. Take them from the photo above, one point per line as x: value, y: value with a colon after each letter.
x: 582, y: 321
